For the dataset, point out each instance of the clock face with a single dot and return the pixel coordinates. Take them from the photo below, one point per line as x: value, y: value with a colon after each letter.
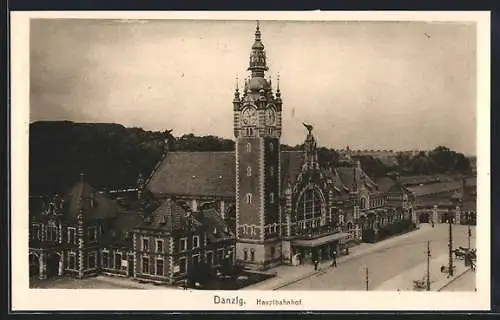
x: 249, y: 116
x: 270, y: 117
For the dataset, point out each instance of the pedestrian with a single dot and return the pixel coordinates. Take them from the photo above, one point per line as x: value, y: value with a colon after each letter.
x: 334, y: 259
x: 316, y: 264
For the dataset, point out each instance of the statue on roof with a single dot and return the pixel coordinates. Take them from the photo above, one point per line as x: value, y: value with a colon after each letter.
x: 308, y: 127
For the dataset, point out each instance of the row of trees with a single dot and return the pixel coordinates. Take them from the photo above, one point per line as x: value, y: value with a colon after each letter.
x: 113, y: 156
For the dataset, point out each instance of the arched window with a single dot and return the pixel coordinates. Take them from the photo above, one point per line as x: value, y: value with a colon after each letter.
x: 363, y: 203
x: 249, y: 198
x: 271, y: 197
x: 249, y: 171
x: 309, y: 206
x: 249, y: 147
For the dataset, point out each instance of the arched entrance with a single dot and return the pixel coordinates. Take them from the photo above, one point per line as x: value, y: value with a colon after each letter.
x: 424, y: 217
x: 53, y: 265
x: 34, y: 262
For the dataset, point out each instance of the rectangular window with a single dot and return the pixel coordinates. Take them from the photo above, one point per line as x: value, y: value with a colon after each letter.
x: 72, y: 261
x: 182, y: 265
x: 35, y: 232
x: 145, y: 265
x: 249, y: 147
x: 183, y: 244
x: 71, y: 235
x: 52, y: 233
x: 196, y: 241
x: 220, y: 255
x: 145, y: 244
x: 196, y: 261
x: 118, y: 261
x: 249, y: 171
x: 92, y: 234
x: 105, y: 260
x: 159, y: 246
x: 210, y: 258
x: 92, y: 260
x: 159, y: 267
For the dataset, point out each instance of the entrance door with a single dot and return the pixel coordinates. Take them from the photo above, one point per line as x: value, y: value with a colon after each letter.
x: 34, y: 265
x: 53, y: 265
x: 130, y: 265
x: 424, y: 217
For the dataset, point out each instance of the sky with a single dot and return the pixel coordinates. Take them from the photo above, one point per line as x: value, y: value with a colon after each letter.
x: 366, y: 85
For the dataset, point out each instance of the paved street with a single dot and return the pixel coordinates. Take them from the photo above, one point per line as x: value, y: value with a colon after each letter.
x: 387, y: 261
x: 464, y: 283
x: 99, y: 282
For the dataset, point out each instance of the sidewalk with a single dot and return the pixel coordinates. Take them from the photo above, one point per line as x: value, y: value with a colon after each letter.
x: 404, y: 281
x: 286, y: 275
x: 128, y: 282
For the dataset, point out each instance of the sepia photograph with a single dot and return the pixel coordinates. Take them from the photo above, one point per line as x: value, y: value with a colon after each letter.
x: 254, y: 154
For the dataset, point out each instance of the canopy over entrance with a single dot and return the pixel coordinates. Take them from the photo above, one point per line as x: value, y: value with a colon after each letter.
x: 311, y: 243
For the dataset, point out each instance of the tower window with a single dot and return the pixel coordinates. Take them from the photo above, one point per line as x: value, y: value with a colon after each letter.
x: 271, y: 146
x: 252, y: 254
x: 271, y: 197
x: 249, y: 198
x: 249, y: 147
x: 271, y: 171
x: 245, y: 254
x: 249, y: 171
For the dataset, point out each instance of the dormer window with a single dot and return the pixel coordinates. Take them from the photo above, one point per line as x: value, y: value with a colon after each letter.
x: 163, y: 219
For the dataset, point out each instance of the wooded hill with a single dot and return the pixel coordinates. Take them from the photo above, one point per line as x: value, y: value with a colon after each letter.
x: 112, y: 156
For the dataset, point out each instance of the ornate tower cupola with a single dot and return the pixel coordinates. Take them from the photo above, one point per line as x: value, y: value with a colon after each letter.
x: 258, y: 56
x: 257, y: 129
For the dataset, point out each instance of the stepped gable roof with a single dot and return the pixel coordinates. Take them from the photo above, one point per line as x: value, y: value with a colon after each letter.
x: 195, y: 173
x: 169, y: 217
x: 439, y: 187
x: 94, y: 205
x: 217, y: 229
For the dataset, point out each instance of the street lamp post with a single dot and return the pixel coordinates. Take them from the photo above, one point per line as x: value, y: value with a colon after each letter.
x: 450, y: 246
x: 468, y: 234
x: 366, y: 278
x: 428, y: 266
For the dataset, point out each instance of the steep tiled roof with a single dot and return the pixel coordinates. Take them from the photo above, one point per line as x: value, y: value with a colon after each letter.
x: 209, y: 173
x: 195, y: 173
x: 169, y: 217
x: 346, y: 175
x: 291, y: 165
x: 428, y: 189
x: 94, y: 205
x: 385, y: 183
x: 216, y: 227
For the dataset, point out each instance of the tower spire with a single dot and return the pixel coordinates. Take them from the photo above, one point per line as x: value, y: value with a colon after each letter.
x: 257, y: 56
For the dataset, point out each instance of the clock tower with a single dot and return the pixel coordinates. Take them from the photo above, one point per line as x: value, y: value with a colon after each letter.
x: 257, y: 129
